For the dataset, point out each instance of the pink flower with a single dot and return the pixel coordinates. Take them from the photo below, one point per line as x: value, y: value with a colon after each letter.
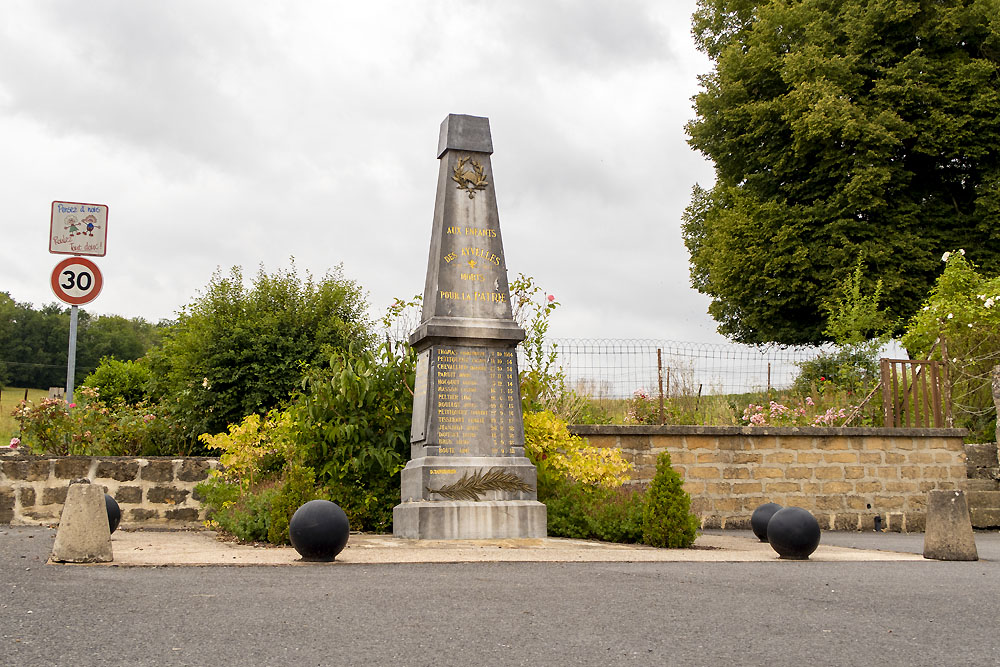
x: 809, y: 400
x: 551, y: 297
x: 72, y: 405
x: 15, y: 443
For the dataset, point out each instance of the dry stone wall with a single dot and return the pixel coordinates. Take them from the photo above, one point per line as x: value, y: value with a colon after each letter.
x: 150, y: 491
x: 844, y: 476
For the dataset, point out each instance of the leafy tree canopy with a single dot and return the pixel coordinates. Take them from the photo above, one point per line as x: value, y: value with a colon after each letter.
x: 34, y: 343
x: 839, y: 130
x: 238, y: 350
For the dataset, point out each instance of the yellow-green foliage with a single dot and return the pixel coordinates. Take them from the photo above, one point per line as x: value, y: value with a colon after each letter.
x: 553, y: 450
x: 247, y: 445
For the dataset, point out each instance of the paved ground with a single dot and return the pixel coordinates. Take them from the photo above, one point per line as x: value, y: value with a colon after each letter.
x: 145, y: 548
x: 914, y: 612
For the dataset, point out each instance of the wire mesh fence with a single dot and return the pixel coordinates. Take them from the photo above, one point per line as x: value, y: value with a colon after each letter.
x: 616, y: 368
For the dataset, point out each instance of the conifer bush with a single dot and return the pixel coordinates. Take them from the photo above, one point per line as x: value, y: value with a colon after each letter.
x: 667, y: 521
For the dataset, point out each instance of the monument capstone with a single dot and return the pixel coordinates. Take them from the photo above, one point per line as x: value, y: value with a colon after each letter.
x: 467, y: 477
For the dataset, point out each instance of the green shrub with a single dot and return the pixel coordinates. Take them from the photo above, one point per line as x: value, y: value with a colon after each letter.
x: 667, y: 520
x: 119, y: 381
x: 591, y: 512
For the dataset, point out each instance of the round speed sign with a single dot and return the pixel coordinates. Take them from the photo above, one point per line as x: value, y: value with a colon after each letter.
x: 76, y: 280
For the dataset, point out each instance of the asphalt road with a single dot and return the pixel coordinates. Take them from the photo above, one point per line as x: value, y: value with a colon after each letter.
x: 780, y: 613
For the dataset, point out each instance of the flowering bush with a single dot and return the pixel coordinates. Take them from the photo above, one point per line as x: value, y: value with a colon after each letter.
x: 642, y: 409
x: 806, y: 413
x: 92, y: 428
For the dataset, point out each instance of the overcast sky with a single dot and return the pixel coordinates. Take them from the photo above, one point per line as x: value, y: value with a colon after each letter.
x: 244, y: 133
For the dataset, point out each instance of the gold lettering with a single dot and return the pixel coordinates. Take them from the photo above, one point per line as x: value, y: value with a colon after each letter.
x: 443, y: 471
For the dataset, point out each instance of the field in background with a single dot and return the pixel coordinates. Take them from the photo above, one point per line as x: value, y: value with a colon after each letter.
x: 10, y: 397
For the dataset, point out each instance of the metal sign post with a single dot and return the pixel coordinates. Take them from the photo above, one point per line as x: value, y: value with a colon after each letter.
x: 75, y: 280
x: 74, y: 314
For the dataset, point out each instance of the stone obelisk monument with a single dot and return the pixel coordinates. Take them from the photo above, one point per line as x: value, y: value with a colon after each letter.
x: 467, y: 477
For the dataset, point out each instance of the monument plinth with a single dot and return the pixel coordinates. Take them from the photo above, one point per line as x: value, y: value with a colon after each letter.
x: 467, y: 477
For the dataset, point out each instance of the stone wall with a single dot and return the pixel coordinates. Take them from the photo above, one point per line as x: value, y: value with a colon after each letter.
x: 156, y: 491
x: 844, y: 476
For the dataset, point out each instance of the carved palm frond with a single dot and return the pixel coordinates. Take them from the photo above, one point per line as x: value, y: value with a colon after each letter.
x: 471, y: 486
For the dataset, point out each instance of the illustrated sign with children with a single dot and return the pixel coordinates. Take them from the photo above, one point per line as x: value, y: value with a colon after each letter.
x: 78, y: 229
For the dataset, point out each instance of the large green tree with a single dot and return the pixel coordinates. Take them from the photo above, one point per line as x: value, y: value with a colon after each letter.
x: 241, y: 349
x: 857, y: 129
x: 34, y: 343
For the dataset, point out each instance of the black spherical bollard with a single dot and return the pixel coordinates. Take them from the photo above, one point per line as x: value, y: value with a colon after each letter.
x: 793, y: 532
x: 319, y: 530
x: 114, y: 512
x: 760, y: 517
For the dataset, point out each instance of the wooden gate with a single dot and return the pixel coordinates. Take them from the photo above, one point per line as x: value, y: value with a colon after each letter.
x: 915, y: 394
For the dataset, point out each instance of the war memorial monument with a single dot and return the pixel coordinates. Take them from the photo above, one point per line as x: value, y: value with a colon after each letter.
x: 467, y: 477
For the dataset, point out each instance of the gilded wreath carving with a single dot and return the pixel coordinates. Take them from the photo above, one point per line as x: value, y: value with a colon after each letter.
x: 469, y: 180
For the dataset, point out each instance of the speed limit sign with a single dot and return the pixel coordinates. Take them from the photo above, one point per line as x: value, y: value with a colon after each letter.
x: 76, y: 281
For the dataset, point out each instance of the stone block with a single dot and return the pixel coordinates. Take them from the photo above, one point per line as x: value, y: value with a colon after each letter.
x: 193, y: 470
x: 26, y: 495
x: 735, y: 472
x: 830, y: 472
x: 131, y: 495
x: 909, y: 472
x: 857, y: 503
x: 141, y: 514
x: 704, y: 472
x: 854, y: 472
x: 700, y: 442
x: 847, y: 521
x: 914, y: 522
x: 783, y: 487
x: 54, y: 495
x: 935, y: 472
x: 840, y: 457
x: 981, y: 455
x: 808, y: 457
x: 810, y: 488
x: 457, y: 520
x: 718, y: 488
x: 830, y: 502
x: 870, y: 457
x: 182, y: 514
x: 833, y: 444
x: 711, y: 522
x: 868, y: 487
x: 71, y: 468
x: 893, y: 486
x: 158, y: 471
x: 6, y: 504
x: 728, y: 504
x: 948, y: 534
x: 747, y: 457
x: 743, y: 488
x: 700, y: 505
x: 888, y: 502
x: 768, y: 472
x: 982, y: 517
x: 39, y: 470
x: 779, y: 457
x: 894, y: 457
x: 837, y: 487
x: 166, y: 495
x: 680, y: 457
x: 737, y: 523
x: 709, y: 457
x: 121, y: 471
x: 14, y: 470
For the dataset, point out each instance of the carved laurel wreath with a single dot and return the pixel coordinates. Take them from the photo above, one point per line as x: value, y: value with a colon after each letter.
x: 469, y: 487
x: 469, y: 180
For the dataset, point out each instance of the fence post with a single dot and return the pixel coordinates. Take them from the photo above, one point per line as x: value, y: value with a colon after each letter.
x: 659, y: 378
x: 995, y: 376
x: 888, y: 419
x: 948, y: 420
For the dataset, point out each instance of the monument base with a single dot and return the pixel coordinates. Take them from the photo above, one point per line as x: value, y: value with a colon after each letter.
x: 468, y: 520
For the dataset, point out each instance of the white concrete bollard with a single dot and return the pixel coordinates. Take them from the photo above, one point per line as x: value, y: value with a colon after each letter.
x: 84, y: 535
x: 948, y: 534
